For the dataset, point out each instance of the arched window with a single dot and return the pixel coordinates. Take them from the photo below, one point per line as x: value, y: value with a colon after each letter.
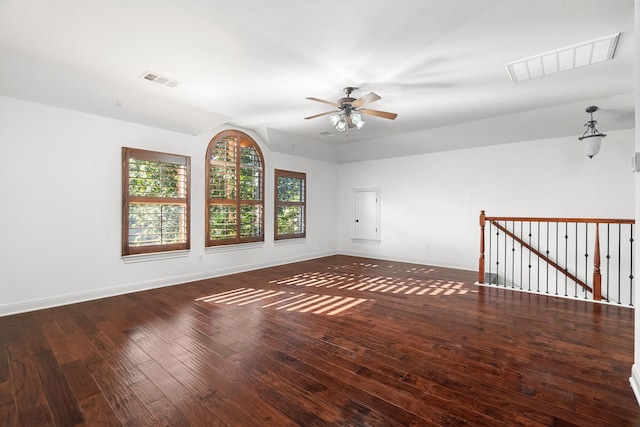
x: 234, y: 190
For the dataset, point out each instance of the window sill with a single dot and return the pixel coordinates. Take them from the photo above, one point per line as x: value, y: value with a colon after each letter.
x: 292, y: 241
x: 155, y: 256
x: 234, y: 247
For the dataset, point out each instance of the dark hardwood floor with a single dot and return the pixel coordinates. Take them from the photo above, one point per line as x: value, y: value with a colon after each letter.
x: 333, y: 341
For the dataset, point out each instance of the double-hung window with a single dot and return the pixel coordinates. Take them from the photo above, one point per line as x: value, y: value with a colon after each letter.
x: 234, y: 190
x: 290, y: 204
x: 156, y: 202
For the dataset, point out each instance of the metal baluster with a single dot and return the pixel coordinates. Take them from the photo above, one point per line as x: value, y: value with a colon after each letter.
x: 513, y: 256
x: 521, y: 235
x: 538, y: 248
x: 631, y: 266
x: 505, y: 255
x: 608, y: 257
x: 529, y: 284
x: 619, y: 262
x: 547, y: 263
x: 566, y: 256
x: 497, y: 255
x: 575, y: 285
x: 490, y: 251
x: 557, y: 254
x: 586, y: 257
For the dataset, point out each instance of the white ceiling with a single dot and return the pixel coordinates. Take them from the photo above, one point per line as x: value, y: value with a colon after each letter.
x: 251, y: 63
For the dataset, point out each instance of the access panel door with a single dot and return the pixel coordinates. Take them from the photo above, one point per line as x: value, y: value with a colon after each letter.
x: 366, y: 214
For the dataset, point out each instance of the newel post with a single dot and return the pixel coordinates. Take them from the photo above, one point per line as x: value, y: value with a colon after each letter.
x: 481, y: 260
x: 597, y: 277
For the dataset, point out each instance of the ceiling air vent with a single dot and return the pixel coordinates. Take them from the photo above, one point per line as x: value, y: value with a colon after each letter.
x: 325, y: 133
x: 566, y: 58
x: 165, y: 81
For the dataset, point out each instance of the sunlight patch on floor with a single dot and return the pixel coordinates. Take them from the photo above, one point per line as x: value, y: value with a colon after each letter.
x: 382, y: 284
x: 329, y: 305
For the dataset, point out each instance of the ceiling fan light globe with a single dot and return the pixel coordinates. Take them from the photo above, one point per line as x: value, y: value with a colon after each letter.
x: 355, y: 117
x: 359, y: 124
x: 341, y: 126
x: 334, y: 119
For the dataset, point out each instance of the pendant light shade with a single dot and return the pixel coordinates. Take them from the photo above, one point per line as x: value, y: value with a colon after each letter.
x: 592, y: 145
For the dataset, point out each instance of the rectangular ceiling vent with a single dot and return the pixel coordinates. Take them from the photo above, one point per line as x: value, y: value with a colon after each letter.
x: 165, y: 81
x: 325, y: 133
x: 566, y: 58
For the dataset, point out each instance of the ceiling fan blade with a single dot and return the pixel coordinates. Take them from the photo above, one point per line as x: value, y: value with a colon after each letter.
x: 323, y: 101
x: 321, y: 114
x: 383, y: 114
x: 365, y: 99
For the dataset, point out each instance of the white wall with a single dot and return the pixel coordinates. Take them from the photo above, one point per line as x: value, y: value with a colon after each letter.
x: 424, y: 221
x: 60, y: 213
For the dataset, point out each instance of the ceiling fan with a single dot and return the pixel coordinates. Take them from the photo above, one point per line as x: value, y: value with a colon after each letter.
x: 349, y: 113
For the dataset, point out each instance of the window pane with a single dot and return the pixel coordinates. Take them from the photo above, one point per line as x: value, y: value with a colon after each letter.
x: 251, y: 221
x: 222, y: 182
x: 222, y: 173
x: 250, y: 174
x: 290, y: 220
x: 151, y: 224
x: 290, y: 189
x: 224, y: 151
x: 156, y: 179
x: 250, y: 184
x: 249, y: 157
x: 222, y: 222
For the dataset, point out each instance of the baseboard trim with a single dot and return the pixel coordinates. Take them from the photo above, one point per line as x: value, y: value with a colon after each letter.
x: 635, y: 381
x: 43, y: 303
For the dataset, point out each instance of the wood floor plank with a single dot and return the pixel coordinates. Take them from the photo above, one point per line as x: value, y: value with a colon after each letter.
x: 80, y: 380
x: 8, y: 410
x: 61, y: 401
x: 97, y: 412
x: 191, y: 408
x: 30, y: 398
x: 118, y: 395
x: 167, y: 414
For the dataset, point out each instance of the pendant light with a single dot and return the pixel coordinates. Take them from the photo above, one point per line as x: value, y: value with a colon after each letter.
x: 592, y: 137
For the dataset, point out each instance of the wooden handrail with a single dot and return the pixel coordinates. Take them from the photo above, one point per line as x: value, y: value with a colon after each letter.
x: 570, y: 220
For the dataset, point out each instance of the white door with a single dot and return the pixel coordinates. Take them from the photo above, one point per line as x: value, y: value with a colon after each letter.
x: 366, y: 214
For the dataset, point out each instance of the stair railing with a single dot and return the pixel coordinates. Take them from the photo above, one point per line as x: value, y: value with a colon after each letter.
x: 521, y: 253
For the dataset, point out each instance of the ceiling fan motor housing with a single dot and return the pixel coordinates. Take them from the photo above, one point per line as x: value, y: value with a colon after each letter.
x: 345, y: 102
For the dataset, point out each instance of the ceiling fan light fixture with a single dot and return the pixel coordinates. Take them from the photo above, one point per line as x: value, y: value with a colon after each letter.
x: 348, y: 116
